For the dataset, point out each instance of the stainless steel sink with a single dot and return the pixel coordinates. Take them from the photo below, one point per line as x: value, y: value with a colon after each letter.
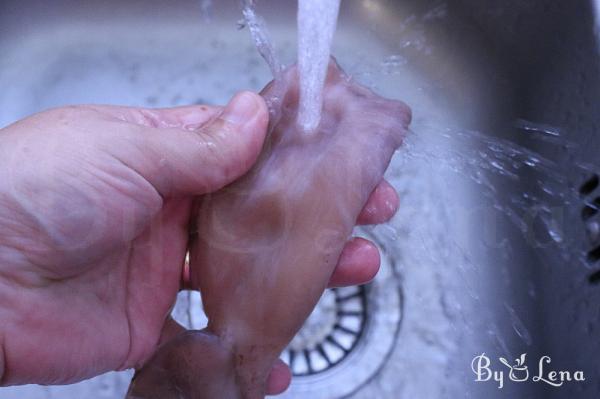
x: 459, y: 278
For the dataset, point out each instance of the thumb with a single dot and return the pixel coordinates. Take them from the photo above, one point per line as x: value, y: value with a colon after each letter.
x: 179, y: 161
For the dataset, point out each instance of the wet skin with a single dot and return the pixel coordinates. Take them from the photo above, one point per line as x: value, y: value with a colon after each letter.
x: 267, y: 245
x: 95, y: 208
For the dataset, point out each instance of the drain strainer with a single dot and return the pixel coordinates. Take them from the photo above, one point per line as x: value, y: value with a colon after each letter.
x: 347, y: 339
x: 342, y: 345
x: 331, y: 332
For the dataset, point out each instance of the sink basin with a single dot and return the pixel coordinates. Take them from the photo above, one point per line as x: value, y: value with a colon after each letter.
x: 463, y: 273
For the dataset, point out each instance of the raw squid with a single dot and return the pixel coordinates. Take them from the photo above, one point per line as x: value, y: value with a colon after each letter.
x: 268, y: 243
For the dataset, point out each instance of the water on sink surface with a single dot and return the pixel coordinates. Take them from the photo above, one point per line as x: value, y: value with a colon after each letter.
x: 74, y: 64
x: 444, y: 175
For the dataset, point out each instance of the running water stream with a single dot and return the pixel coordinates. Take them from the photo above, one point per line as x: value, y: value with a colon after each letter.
x: 481, y: 158
x: 541, y: 161
x: 543, y: 204
x: 317, y: 20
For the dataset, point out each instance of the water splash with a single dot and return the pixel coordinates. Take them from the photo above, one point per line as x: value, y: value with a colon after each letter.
x: 518, y: 325
x: 261, y: 37
x: 548, y: 200
x: 317, y: 21
x: 543, y: 202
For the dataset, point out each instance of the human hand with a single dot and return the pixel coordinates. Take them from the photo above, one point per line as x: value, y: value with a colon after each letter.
x: 95, y: 203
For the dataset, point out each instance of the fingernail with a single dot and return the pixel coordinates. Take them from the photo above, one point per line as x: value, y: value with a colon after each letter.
x: 241, y: 108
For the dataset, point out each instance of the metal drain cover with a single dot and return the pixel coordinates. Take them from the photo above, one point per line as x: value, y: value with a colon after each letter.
x: 347, y: 339
x: 342, y: 345
x: 331, y: 332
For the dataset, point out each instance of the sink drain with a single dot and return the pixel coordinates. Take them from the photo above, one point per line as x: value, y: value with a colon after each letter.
x: 347, y: 339
x: 342, y: 345
x: 331, y: 332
